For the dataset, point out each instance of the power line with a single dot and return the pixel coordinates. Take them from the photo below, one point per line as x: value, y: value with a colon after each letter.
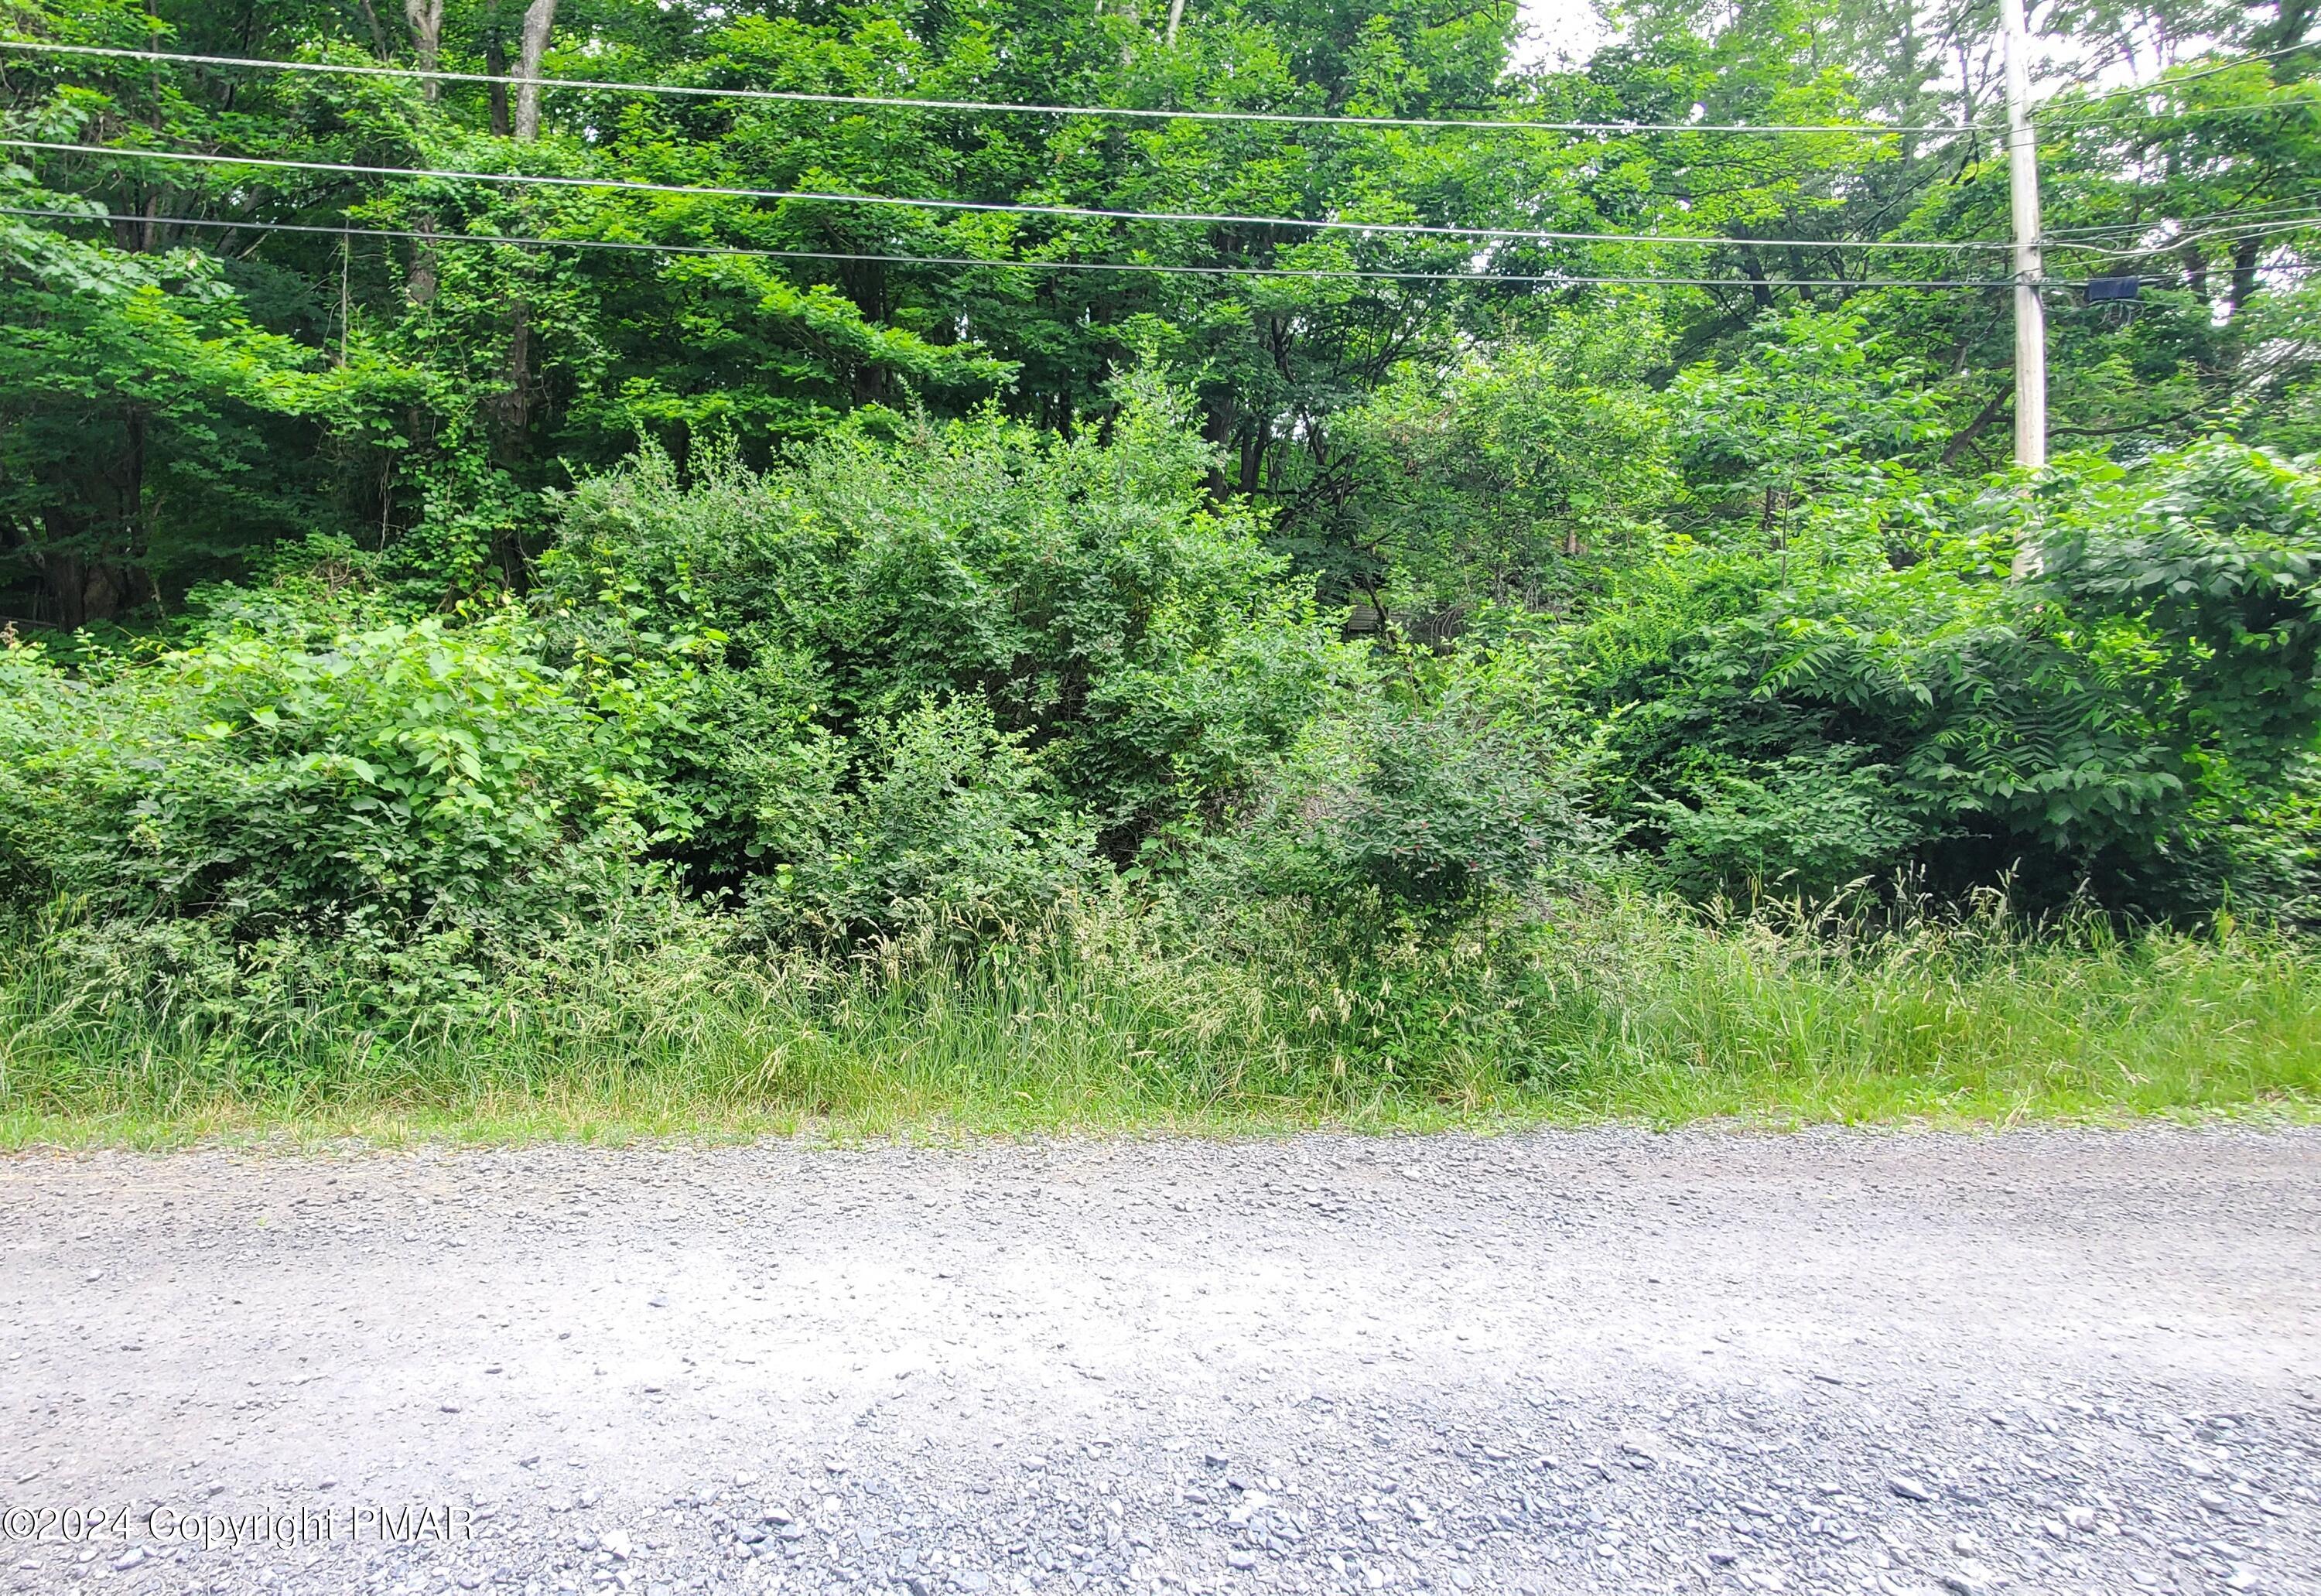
x: 2248, y: 233
x: 2282, y: 210
x: 1076, y: 212
x: 802, y: 96
x: 1478, y: 279
x: 640, y: 247
x: 2309, y: 103
x: 2159, y: 83
x: 1288, y: 118
x: 2216, y: 227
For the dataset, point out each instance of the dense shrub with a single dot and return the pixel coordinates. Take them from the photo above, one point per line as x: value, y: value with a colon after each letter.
x: 1517, y: 477
x: 268, y: 779
x: 1126, y: 626
x: 1807, y: 823
x: 1403, y: 806
x: 963, y: 717
x: 2133, y: 719
x: 949, y: 824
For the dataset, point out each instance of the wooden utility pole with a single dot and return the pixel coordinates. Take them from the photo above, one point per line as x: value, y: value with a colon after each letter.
x: 2023, y: 189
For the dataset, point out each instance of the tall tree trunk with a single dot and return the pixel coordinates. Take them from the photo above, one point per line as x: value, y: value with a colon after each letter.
x: 420, y: 284
x: 90, y: 574
x: 2243, y: 282
x: 1963, y: 439
x: 2196, y: 268
x: 539, y: 19
x: 512, y: 411
x: 426, y: 20
x: 1218, y: 428
x: 495, y: 66
x: 2290, y: 20
x: 378, y: 32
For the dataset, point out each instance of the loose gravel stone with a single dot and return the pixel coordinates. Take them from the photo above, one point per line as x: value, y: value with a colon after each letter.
x: 2041, y: 1363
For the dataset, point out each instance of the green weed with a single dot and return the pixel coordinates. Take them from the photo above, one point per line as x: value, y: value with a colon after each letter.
x: 1621, y: 1005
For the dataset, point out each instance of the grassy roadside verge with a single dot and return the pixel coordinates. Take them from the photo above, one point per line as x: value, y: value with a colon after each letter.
x: 1629, y: 1011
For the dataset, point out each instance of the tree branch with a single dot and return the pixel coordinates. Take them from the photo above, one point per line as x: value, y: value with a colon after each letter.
x: 1963, y: 439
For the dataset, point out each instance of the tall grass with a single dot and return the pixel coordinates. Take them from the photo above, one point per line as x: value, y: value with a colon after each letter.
x: 1621, y: 1005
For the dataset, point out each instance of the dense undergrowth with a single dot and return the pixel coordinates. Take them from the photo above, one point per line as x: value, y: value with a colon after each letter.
x: 974, y: 642
x: 973, y: 774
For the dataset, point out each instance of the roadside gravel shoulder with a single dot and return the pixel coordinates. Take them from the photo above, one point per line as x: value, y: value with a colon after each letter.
x: 2044, y: 1361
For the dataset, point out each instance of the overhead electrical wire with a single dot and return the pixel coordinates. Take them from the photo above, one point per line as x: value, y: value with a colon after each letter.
x: 2068, y: 239
x: 2153, y: 85
x: 804, y: 97
x: 2196, y: 229
x: 2060, y: 124
x: 2282, y: 210
x: 2275, y: 229
x: 1072, y: 212
x: 639, y: 246
x: 2054, y: 116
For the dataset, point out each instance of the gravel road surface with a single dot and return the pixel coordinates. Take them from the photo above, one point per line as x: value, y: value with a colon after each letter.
x: 2038, y: 1362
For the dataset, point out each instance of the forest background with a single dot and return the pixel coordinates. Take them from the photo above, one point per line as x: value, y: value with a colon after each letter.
x: 1261, y: 559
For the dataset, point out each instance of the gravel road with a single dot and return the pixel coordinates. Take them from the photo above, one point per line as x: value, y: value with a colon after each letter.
x: 2037, y: 1362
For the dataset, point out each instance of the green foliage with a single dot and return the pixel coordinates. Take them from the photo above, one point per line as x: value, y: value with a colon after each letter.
x: 428, y: 622
x: 949, y: 824
x: 1810, y: 411
x: 292, y: 1015
x: 2217, y: 568
x: 383, y: 778
x: 1391, y: 808
x: 129, y: 380
x: 1513, y: 478
x: 420, y: 394
x: 2129, y: 718
x: 1132, y: 632
x: 1813, y: 825
x: 647, y: 1021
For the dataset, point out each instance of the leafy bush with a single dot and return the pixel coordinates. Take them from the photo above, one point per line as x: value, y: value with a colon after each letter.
x: 379, y: 776
x: 2131, y: 718
x: 1417, y: 807
x: 1513, y: 477
x: 2214, y: 570
x: 1807, y: 824
x: 1818, y: 412
x: 1623, y: 1003
x: 1087, y: 589
x: 512, y: 988
x: 901, y: 707
x: 951, y: 825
